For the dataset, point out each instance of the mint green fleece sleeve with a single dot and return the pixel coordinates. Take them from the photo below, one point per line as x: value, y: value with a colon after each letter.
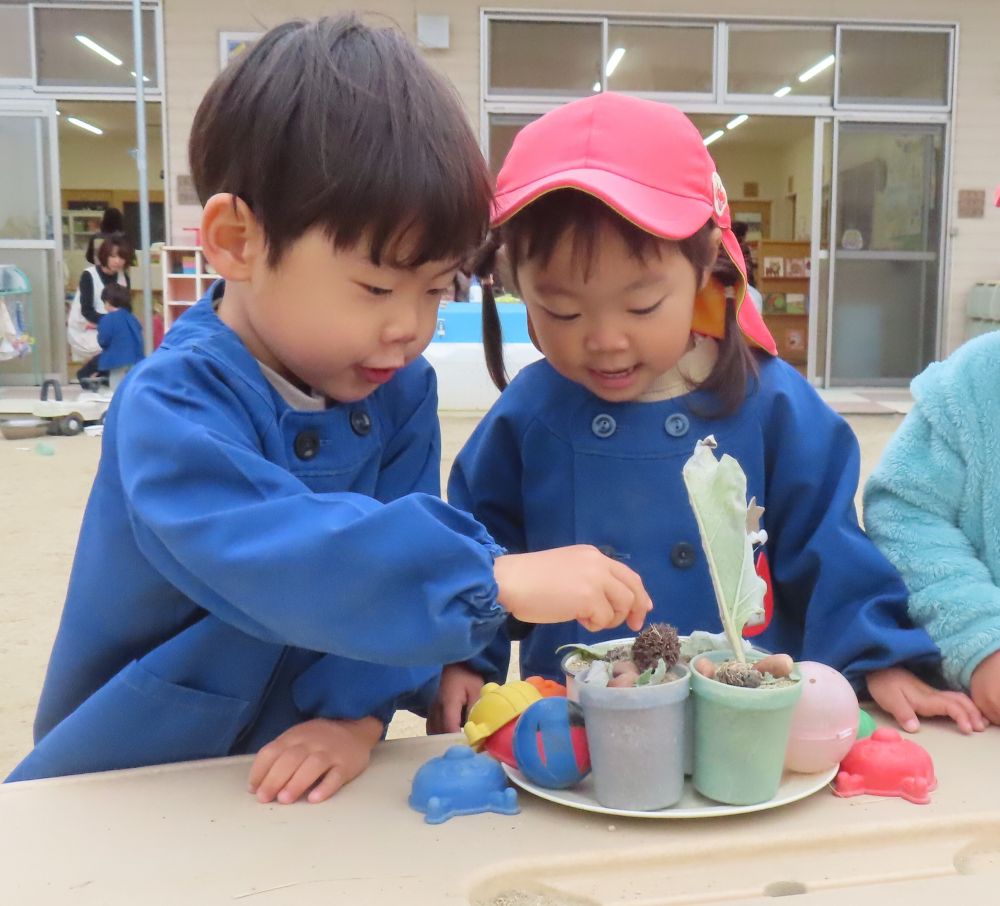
x: 923, y: 508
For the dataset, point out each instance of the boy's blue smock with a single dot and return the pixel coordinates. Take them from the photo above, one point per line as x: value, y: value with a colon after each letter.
x: 120, y: 335
x: 243, y: 566
x: 552, y: 464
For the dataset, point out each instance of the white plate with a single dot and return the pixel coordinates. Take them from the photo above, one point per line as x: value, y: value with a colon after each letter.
x: 692, y: 805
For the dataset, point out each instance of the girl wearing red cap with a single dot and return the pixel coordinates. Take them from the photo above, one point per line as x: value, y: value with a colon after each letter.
x: 612, y: 215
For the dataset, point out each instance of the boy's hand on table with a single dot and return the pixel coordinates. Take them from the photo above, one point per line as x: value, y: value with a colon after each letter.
x: 985, y: 687
x: 458, y: 691
x: 906, y: 697
x: 571, y: 583
x: 318, y: 755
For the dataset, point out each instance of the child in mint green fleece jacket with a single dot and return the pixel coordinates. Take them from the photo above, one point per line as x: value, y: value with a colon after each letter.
x: 933, y: 507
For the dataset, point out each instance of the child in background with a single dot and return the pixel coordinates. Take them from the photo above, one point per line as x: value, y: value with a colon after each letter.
x: 87, y: 308
x: 612, y: 214
x: 933, y: 507
x: 285, y: 574
x: 119, y: 332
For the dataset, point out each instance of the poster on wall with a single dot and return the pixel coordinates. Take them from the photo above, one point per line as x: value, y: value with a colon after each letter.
x: 233, y: 43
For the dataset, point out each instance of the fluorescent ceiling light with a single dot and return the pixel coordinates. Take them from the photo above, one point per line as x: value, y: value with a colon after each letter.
x: 715, y: 136
x: 145, y: 78
x: 83, y: 124
x: 614, y: 60
x: 825, y: 63
x: 739, y: 121
x: 781, y: 92
x: 597, y: 86
x: 96, y: 48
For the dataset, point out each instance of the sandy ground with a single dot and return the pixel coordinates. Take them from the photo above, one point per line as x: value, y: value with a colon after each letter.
x: 42, y: 500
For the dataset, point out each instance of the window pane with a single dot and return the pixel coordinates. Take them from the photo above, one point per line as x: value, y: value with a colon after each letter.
x: 103, y: 58
x: 503, y: 129
x: 15, y: 43
x: 888, y: 182
x: 658, y: 58
x: 24, y: 190
x: 544, y: 57
x: 892, y: 67
x: 764, y: 60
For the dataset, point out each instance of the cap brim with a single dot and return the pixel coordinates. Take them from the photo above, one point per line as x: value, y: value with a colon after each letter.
x: 660, y: 213
x: 750, y: 321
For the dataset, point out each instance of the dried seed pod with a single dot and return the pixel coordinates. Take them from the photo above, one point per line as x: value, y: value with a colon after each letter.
x: 738, y: 673
x: 655, y: 642
x: 619, y: 653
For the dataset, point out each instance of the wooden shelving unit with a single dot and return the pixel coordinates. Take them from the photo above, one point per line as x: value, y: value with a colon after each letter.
x: 186, y: 278
x: 790, y: 328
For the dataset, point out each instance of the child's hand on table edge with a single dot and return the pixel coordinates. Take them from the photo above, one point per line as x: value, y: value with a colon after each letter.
x: 985, y: 687
x: 907, y: 697
x: 459, y: 689
x: 318, y: 755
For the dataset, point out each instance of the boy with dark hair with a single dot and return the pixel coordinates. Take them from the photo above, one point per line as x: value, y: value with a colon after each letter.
x: 286, y: 576
x: 119, y: 333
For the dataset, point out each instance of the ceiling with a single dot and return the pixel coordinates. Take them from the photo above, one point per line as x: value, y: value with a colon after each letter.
x: 114, y: 117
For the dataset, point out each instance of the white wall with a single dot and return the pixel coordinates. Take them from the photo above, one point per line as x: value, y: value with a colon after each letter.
x: 192, y: 29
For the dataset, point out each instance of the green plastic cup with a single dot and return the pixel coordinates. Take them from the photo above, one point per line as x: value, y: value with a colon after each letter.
x: 740, y: 736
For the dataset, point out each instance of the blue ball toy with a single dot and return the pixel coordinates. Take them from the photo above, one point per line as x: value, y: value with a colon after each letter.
x: 550, y: 744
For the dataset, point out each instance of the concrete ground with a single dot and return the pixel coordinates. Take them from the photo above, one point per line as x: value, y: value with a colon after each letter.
x: 42, y: 499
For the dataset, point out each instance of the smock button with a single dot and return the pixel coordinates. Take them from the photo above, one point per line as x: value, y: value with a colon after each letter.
x: 682, y: 555
x: 603, y: 425
x: 306, y: 444
x: 677, y: 425
x: 361, y: 422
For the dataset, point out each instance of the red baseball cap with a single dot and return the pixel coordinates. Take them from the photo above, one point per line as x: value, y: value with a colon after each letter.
x: 644, y: 159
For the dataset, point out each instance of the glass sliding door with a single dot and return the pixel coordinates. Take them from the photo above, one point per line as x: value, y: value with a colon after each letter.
x: 886, y: 251
x: 30, y: 232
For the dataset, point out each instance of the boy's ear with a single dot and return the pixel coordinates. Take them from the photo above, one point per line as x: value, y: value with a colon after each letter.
x: 231, y: 237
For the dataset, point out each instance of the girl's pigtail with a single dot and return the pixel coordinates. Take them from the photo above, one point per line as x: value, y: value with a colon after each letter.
x: 485, y: 264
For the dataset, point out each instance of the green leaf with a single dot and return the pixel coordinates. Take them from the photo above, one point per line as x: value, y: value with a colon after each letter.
x: 587, y: 652
x: 653, y: 676
x: 717, y: 490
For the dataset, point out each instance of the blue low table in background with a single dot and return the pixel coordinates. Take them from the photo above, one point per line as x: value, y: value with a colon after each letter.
x: 461, y: 322
x: 456, y: 353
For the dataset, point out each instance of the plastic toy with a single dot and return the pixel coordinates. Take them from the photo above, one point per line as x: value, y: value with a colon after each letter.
x: 550, y: 744
x: 497, y: 706
x: 885, y: 764
x: 460, y: 782
x: 866, y: 724
x: 500, y: 745
x: 825, y: 720
x: 548, y: 688
x: 35, y: 418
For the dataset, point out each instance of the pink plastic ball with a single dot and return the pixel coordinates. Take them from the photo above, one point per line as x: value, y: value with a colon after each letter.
x: 825, y: 721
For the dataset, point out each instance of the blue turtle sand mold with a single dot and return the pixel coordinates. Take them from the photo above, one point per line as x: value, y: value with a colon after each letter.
x: 460, y: 782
